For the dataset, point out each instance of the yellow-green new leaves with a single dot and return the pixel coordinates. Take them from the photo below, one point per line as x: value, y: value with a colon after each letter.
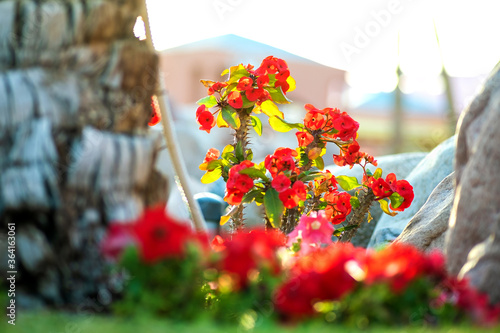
x: 269, y: 108
x: 208, y: 101
x: 347, y: 183
x: 281, y: 125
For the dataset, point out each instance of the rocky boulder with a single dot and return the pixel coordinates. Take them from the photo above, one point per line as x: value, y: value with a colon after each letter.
x: 427, y: 229
x: 472, y: 244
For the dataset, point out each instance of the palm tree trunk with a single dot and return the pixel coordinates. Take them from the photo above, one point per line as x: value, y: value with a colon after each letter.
x: 75, y: 100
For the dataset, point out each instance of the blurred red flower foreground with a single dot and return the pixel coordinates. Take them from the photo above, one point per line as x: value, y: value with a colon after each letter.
x: 333, y: 281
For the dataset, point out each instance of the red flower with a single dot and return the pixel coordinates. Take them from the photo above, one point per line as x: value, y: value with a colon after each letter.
x: 234, y: 99
x: 404, y: 189
x: 262, y: 81
x: 205, y: 118
x: 346, y: 126
x: 211, y: 155
x: 301, y: 190
x: 247, y: 251
x: 338, y: 206
x: 281, y: 183
x: 314, y: 120
x: 254, y: 94
x: 268, y: 66
x: 160, y: 236
x: 155, y: 113
x: 380, y: 188
x: 290, y: 198
x: 238, y: 184
x: 350, y: 155
x: 398, y: 264
x: 245, y: 83
x: 390, y: 179
x: 233, y: 196
x: 304, y: 138
x: 281, y: 160
x: 218, y: 244
x: 318, y: 276
x: 216, y: 87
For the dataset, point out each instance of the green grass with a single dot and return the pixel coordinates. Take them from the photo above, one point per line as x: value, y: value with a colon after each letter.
x: 45, y: 322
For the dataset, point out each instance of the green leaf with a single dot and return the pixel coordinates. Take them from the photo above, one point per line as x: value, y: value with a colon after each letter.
x: 278, y: 96
x: 319, y: 163
x: 252, y: 195
x: 339, y: 231
x: 274, y: 207
x: 347, y: 183
x: 354, y: 202
x: 396, y: 200
x: 208, y: 101
x: 254, y: 173
x: 377, y: 174
x: 211, y: 176
x: 231, y: 117
x: 212, y: 165
x: 224, y: 72
x: 309, y: 175
x: 236, y: 73
x: 249, y: 154
x: 384, y: 205
x: 270, y: 109
x: 246, y: 102
x: 257, y: 125
x: 281, y: 125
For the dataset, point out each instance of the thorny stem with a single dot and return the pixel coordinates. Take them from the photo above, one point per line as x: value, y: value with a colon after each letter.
x: 366, y: 198
x: 241, y: 136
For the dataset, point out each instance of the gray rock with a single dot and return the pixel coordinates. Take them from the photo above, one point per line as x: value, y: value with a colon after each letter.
x: 482, y: 268
x: 475, y: 217
x: 427, y: 229
x: 400, y: 164
x: 424, y: 178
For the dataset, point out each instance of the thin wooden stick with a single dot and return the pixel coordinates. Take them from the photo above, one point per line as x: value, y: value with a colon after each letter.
x: 171, y: 141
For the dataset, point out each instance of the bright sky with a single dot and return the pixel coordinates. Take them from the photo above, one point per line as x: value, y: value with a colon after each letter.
x: 360, y: 36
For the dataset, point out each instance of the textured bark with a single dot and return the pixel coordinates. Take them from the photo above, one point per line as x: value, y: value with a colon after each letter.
x: 75, y: 92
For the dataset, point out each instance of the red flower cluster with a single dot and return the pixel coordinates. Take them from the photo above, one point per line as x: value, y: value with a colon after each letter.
x: 331, y: 122
x: 205, y: 118
x: 350, y: 155
x: 158, y: 236
x: 216, y: 87
x: 319, y: 276
x: 461, y: 294
x: 291, y: 196
x: 249, y: 251
x: 238, y: 184
x: 400, y: 264
x: 252, y: 87
x: 282, y: 160
x: 277, y: 67
x: 329, y: 273
x: 338, y: 206
x: 383, y: 188
x: 211, y: 155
